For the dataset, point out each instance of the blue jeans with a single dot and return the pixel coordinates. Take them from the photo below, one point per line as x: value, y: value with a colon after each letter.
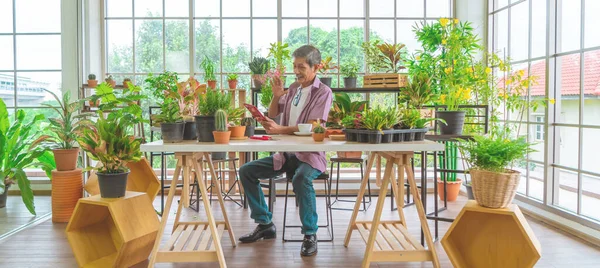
x: 304, y: 174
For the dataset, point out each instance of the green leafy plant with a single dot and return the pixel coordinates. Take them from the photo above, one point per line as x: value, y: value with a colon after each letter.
x: 392, y: 118
x: 494, y: 152
x: 162, y: 85
x: 352, y: 122
x: 169, y: 113
x: 259, y: 65
x: 374, y: 119
x: 279, y: 52
x: 349, y: 69
x: 67, y: 127
x: 266, y: 94
x: 326, y: 65
x: 188, y: 96
x: 410, y: 118
x: 221, y: 120
x: 248, y: 121
x: 109, y: 140
x: 384, y: 57
x: 232, y: 77
x: 423, y: 122
x: 234, y: 115
x: 418, y: 92
x: 21, y: 148
x: 319, y: 129
x: 109, y: 79
x: 342, y: 107
x: 212, y: 101
x: 91, y: 77
x: 209, y: 69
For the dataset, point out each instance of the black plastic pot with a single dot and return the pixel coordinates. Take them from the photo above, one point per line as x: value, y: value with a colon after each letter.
x: 419, y: 136
x: 470, y: 192
x: 112, y: 185
x: 387, y: 138
x: 218, y: 155
x: 349, y: 82
x: 249, y: 131
x: 326, y: 81
x: 189, y: 131
x: 362, y: 137
x: 205, y: 125
x: 409, y: 136
x: 351, y: 134
x: 4, y: 196
x: 375, y: 137
x: 172, y: 132
x: 455, y: 121
x: 398, y: 137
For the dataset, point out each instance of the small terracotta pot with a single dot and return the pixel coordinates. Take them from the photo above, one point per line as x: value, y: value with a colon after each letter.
x: 112, y: 83
x: 212, y: 84
x: 232, y: 84
x: 125, y: 84
x: 222, y: 137
x: 237, y: 131
x: 355, y: 154
x: 92, y: 104
x: 333, y: 131
x: 66, y: 159
x: 318, y: 137
x: 92, y: 83
x: 452, y: 188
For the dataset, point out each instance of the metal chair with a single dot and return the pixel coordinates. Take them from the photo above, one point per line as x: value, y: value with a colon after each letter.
x: 360, y: 161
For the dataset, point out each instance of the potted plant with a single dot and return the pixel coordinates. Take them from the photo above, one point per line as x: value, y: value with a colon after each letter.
x: 373, y: 120
x: 209, y: 72
x: 92, y: 82
x: 221, y: 133
x: 250, y: 124
x: 235, y: 122
x: 171, y: 122
x: 418, y: 93
x: 126, y: 82
x: 326, y: 65
x: 111, y: 81
x: 266, y: 95
x: 454, y: 118
x: 318, y: 134
x: 349, y: 71
x: 279, y: 53
x: 384, y: 58
x: 258, y: 68
x: 232, y: 79
x: 208, y: 105
x: 65, y: 129
x: 188, y: 97
x: 343, y: 107
x: 21, y: 148
x: 109, y: 140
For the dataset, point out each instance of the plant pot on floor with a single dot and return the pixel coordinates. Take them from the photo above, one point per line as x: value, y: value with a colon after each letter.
x: 212, y: 84
x: 112, y: 185
x: 222, y: 137
x: 172, y: 132
x: 237, y: 131
x: 349, y: 82
x: 67, y: 189
x: 453, y: 188
x: 455, y: 121
x: 492, y: 189
x: 205, y: 125
x: 326, y: 81
x: 257, y: 80
x: 189, y: 131
x: 249, y: 131
x: 66, y: 159
x: 3, y: 197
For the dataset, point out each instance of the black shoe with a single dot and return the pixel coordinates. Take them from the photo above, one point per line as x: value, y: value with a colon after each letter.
x: 309, y: 245
x: 261, y: 231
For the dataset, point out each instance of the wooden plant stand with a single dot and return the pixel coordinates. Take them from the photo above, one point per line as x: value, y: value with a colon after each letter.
x: 391, y: 241
x: 192, y: 241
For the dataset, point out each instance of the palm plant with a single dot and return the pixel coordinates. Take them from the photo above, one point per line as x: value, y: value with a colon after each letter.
x: 21, y: 148
x: 67, y: 126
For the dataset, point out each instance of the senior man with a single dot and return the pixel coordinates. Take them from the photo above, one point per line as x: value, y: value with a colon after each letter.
x: 306, y: 101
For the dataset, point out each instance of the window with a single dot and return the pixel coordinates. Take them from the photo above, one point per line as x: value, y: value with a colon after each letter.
x: 570, y: 56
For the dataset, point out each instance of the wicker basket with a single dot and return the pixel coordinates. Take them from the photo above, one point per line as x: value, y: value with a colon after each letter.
x: 494, y: 190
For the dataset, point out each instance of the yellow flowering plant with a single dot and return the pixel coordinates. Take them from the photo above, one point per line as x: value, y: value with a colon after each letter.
x: 456, y: 97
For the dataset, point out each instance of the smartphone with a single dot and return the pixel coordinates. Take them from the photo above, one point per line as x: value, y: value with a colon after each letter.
x: 255, y: 112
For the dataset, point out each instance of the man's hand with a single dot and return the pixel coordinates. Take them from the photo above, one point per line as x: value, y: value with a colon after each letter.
x: 270, y: 126
x: 277, y: 87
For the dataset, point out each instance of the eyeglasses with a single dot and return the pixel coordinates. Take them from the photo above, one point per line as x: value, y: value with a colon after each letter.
x: 296, y: 99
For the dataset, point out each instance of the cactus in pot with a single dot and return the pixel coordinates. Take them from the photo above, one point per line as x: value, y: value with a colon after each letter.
x: 221, y: 133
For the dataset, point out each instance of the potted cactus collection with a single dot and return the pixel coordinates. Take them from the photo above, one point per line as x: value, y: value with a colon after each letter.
x: 221, y: 133
x: 92, y: 82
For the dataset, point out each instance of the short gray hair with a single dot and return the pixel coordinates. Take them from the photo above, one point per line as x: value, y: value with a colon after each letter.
x: 310, y: 53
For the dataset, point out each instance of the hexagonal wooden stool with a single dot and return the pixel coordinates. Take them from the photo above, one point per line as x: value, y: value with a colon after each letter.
x: 141, y: 179
x: 485, y: 237
x: 112, y: 232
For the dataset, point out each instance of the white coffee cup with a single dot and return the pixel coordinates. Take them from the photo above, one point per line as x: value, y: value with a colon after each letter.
x: 304, y: 128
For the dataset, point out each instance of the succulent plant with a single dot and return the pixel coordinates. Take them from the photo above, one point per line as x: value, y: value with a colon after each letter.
x: 232, y: 77
x: 221, y: 120
x: 259, y: 65
x: 91, y: 77
x: 249, y: 122
x: 109, y: 78
x: 319, y: 129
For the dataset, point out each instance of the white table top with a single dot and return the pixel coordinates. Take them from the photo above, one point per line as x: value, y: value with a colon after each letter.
x: 290, y: 143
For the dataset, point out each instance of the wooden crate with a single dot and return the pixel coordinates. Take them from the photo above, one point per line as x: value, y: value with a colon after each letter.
x: 385, y: 80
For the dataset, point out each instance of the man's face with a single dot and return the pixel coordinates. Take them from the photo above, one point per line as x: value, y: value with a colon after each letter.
x: 304, y: 73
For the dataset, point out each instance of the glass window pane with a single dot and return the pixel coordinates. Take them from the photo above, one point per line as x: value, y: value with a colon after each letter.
x: 44, y: 18
x: 148, y: 8
x: 405, y: 35
x: 6, y: 16
x: 381, y: 8
x: 149, y: 46
x: 208, y: 39
x: 590, y: 201
x: 236, y: 45
x: 7, y: 88
x: 178, y: 46
x: 500, y: 44
x: 264, y: 33
x: 568, y: 151
x: 591, y: 143
x: 119, y: 8
x: 297, y: 8
x: 119, y: 34
x: 538, y: 90
x: 569, y: 30
x: 592, y: 22
x: 536, y: 180
x: 519, y: 29
x: 352, y: 35
x: 6, y: 53
x: 352, y: 8
x: 567, y: 193
x: 264, y: 8
x: 410, y: 8
x: 38, y: 52
x: 236, y: 8
x: 31, y: 85
x: 382, y: 30
x: 324, y: 36
x: 295, y: 33
x: 591, y: 101
x: 324, y: 8
x: 438, y: 8
x: 207, y: 8
x: 568, y: 90
x: 30, y: 113
x: 498, y: 4
x: 538, y: 28
x: 177, y: 8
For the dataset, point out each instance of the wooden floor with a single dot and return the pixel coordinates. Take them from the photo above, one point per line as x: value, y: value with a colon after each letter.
x: 16, y: 215
x: 45, y: 245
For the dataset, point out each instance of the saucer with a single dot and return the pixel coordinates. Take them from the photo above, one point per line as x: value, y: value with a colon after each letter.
x: 303, y: 133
